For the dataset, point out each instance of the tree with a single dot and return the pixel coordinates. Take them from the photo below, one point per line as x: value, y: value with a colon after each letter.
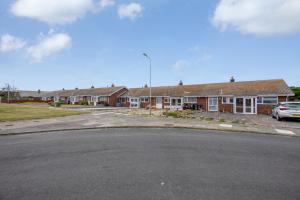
x: 9, y: 92
x: 180, y: 82
x: 232, y: 80
x: 296, y: 90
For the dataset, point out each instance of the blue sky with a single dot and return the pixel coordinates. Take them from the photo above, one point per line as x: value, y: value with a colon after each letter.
x: 58, y: 45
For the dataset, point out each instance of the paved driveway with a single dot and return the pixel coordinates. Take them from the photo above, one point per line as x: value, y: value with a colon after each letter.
x: 147, y: 164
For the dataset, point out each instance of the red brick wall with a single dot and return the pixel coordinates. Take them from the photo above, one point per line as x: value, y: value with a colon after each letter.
x: 202, y: 101
x: 113, y: 99
x: 225, y: 107
x: 267, y: 108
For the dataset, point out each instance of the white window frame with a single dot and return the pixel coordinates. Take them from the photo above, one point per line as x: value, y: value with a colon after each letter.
x: 190, y: 99
x: 56, y: 99
x: 227, y: 100
x: 134, y: 102
x: 166, y: 100
x: 216, y: 106
x: 263, y: 100
x: 144, y: 99
x: 102, y: 99
x: 94, y: 99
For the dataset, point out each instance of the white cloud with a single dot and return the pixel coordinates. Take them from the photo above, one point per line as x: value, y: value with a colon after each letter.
x: 52, y: 11
x: 11, y: 43
x: 131, y: 11
x: 106, y: 3
x: 261, y: 17
x: 48, y: 45
x: 180, y: 65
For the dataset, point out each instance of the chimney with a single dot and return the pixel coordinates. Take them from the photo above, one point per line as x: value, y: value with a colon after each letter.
x: 232, y: 80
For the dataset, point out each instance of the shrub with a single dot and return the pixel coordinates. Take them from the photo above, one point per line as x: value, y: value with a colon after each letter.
x: 84, y: 103
x: 174, y: 114
x: 209, y: 119
x: 222, y: 120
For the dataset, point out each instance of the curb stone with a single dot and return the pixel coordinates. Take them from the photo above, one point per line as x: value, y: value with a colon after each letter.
x: 171, y: 127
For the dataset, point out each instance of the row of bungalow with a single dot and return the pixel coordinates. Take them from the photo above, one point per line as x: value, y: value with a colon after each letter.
x: 246, y: 97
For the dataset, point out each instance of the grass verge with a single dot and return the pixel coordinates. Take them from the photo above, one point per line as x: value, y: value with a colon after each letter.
x: 11, y: 112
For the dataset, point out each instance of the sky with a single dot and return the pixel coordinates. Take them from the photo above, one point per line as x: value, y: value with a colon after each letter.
x: 55, y: 44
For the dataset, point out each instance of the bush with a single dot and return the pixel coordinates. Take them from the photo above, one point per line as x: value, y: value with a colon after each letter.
x: 54, y: 104
x: 84, y: 103
x: 222, y: 120
x: 171, y: 114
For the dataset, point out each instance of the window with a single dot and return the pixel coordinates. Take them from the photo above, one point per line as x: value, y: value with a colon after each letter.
x: 166, y: 100
x: 102, y: 99
x: 259, y: 99
x: 270, y: 100
x: 94, y: 98
x: 123, y: 100
x: 267, y: 100
x: 56, y: 99
x: 227, y: 100
x: 190, y: 99
x: 144, y: 99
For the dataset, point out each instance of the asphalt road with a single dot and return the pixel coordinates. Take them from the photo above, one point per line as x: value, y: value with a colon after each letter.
x: 142, y: 164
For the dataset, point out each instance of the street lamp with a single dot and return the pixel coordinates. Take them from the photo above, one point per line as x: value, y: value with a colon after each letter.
x: 144, y: 54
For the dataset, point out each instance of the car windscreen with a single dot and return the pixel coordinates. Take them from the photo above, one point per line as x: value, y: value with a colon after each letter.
x: 292, y: 105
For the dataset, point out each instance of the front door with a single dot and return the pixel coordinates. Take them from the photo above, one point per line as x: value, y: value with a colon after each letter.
x: 159, y: 102
x: 245, y: 105
x: 213, y: 104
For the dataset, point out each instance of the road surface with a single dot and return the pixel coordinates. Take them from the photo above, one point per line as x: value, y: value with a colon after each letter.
x: 142, y: 164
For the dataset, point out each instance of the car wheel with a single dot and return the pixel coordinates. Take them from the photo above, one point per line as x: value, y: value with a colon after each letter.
x: 277, y: 117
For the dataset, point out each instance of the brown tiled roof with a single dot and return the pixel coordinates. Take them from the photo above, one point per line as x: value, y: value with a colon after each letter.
x: 245, y: 88
x: 27, y: 93
x: 84, y: 92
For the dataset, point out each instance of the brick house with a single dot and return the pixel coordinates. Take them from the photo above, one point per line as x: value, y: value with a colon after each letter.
x: 92, y: 96
x: 247, y: 97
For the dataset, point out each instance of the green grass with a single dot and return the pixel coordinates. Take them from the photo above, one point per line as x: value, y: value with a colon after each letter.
x: 11, y: 112
x: 209, y: 119
x: 222, y: 120
x: 172, y: 114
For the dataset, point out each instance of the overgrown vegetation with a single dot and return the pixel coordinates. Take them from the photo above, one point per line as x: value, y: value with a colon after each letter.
x: 296, y: 90
x: 179, y: 113
x: 11, y: 112
x: 171, y: 114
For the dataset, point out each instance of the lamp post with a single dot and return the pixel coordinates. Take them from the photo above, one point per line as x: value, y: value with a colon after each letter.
x: 150, y: 60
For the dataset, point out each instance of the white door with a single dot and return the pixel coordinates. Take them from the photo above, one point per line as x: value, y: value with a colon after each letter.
x: 245, y: 105
x: 159, y: 102
x: 250, y: 105
x: 213, y: 104
x: 176, y: 103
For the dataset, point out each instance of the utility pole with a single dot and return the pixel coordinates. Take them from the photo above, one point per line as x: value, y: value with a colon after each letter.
x: 150, y: 62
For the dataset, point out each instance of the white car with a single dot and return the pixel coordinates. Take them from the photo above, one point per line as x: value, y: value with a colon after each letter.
x: 286, y: 110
